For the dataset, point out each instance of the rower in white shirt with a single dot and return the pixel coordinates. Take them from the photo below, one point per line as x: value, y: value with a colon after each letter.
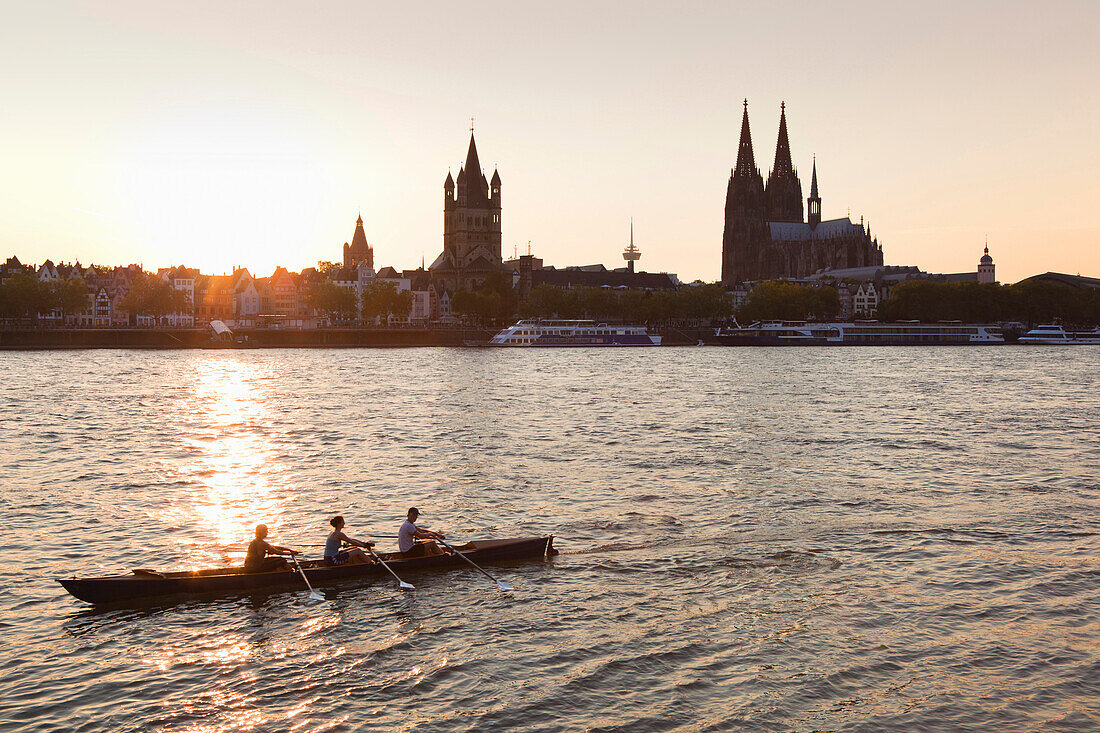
x: 409, y: 533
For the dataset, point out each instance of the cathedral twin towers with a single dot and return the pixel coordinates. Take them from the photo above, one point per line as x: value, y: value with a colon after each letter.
x: 766, y: 236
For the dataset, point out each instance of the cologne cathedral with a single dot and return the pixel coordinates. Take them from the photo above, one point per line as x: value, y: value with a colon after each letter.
x: 765, y: 236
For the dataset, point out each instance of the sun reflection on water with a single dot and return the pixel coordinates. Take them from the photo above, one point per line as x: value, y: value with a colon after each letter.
x: 230, y: 477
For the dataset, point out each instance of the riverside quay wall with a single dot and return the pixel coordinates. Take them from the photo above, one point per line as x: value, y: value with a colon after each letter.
x: 271, y: 338
x: 199, y: 338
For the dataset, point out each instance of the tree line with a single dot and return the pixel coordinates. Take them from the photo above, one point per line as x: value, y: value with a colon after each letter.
x: 692, y: 305
x: 1029, y: 301
x: 380, y: 301
x: 24, y: 296
x: 779, y: 300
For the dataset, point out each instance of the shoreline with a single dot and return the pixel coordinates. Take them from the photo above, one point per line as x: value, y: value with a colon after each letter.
x: 261, y: 338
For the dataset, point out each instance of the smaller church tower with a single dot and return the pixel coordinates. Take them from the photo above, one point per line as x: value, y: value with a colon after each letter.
x: 359, y: 251
x: 986, y: 272
x: 813, y: 203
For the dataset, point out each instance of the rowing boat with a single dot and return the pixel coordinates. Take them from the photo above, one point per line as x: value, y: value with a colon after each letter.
x: 146, y: 584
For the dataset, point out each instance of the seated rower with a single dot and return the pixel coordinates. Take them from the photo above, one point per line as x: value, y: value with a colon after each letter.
x: 256, y: 561
x: 335, y: 556
x: 409, y: 533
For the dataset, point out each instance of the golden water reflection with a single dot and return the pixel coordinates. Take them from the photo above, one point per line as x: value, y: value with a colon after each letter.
x: 230, y: 479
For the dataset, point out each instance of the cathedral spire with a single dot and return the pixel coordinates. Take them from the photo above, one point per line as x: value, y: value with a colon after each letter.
x: 746, y: 165
x: 783, y: 192
x: 782, y: 146
x: 813, y: 203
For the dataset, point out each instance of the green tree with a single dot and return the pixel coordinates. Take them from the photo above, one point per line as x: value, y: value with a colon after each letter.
x: 381, y: 299
x: 151, y: 296
x: 781, y: 300
x: 401, y: 303
x: 70, y: 296
x: 339, y: 303
x: 1029, y: 301
x: 326, y: 268
x: 25, y: 296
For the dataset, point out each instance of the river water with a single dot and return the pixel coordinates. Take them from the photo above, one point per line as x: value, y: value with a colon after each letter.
x: 753, y: 539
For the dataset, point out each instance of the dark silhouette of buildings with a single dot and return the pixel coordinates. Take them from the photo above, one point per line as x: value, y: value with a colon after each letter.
x: 765, y: 236
x: 358, y: 252
x: 471, y: 228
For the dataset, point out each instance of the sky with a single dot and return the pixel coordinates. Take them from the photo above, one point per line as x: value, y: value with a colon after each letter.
x: 222, y: 134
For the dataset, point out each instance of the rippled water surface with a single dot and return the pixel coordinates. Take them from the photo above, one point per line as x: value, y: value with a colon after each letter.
x: 754, y: 539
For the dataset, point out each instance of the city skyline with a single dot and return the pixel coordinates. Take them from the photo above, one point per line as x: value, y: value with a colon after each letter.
x: 141, y: 134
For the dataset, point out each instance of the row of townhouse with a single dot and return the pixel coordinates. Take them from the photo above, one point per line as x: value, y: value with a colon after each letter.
x: 238, y: 299
x: 107, y: 287
x: 243, y: 301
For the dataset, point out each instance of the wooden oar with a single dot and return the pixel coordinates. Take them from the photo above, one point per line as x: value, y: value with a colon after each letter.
x: 403, y: 584
x: 500, y: 584
x: 312, y: 593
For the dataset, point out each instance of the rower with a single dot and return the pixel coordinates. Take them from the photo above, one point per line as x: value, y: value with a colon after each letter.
x: 256, y: 561
x: 334, y: 555
x: 409, y: 533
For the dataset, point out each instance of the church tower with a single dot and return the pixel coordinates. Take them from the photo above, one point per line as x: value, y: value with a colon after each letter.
x: 744, y: 226
x: 358, y: 252
x: 986, y: 269
x: 813, y: 203
x: 783, y: 191
x: 471, y: 226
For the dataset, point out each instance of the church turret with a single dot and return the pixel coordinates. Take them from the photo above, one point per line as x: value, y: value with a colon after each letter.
x: 448, y: 192
x: 494, y: 190
x: 783, y: 191
x: 986, y: 269
x: 813, y: 203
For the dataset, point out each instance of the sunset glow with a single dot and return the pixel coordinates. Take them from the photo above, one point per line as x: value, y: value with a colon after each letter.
x: 252, y: 134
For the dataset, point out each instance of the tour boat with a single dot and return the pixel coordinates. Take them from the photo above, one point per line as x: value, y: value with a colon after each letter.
x: 859, y: 333
x: 573, y: 333
x: 143, y: 585
x: 1055, y: 334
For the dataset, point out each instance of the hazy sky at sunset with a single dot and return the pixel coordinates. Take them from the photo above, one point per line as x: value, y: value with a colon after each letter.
x: 221, y: 133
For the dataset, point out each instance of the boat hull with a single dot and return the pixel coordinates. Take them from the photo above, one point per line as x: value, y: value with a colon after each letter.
x: 873, y: 333
x: 128, y: 589
x: 779, y: 341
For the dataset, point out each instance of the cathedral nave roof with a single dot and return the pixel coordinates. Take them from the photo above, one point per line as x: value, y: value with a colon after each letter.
x: 783, y: 231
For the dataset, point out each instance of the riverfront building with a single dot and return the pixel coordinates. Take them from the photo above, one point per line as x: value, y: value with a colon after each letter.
x: 765, y: 235
x: 471, y: 228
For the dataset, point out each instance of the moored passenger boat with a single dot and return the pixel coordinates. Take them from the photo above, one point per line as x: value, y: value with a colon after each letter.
x: 859, y: 333
x: 1056, y: 335
x: 573, y: 333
